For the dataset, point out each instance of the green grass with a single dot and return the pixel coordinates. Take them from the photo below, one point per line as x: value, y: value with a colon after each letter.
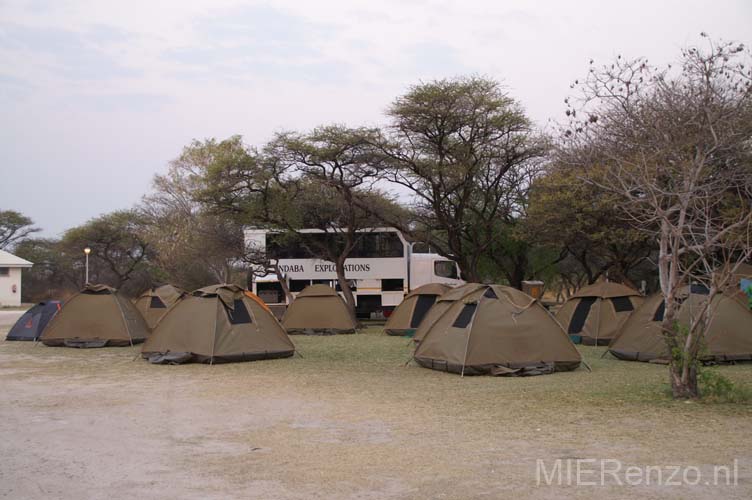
x: 611, y: 381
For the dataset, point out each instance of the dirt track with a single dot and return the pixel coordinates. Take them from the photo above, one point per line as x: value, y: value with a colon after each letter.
x: 346, y: 421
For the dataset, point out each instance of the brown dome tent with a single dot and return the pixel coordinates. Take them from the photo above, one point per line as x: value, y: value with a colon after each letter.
x: 496, y: 330
x: 155, y: 303
x: 318, y: 310
x: 443, y: 303
x: 727, y: 338
x: 217, y: 324
x: 407, y: 316
x: 596, y: 312
x: 97, y: 316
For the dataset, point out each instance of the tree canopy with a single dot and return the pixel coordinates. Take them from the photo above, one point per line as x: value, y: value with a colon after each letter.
x: 465, y: 150
x: 14, y: 227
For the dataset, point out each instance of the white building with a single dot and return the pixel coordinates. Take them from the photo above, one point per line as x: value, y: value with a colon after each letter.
x: 10, y: 278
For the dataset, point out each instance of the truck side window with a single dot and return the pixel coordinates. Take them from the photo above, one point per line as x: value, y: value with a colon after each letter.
x: 445, y: 269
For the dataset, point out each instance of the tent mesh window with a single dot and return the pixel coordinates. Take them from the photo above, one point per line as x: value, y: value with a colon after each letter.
x: 239, y: 314
x: 422, y: 306
x: 580, y: 315
x: 658, y: 316
x: 464, y: 317
x: 622, y: 304
x: 490, y: 294
x: 156, y: 303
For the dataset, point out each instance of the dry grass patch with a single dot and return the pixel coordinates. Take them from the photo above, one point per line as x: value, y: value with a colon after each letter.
x: 348, y: 419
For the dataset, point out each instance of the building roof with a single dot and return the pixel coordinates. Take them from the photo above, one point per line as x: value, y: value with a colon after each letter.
x: 9, y: 260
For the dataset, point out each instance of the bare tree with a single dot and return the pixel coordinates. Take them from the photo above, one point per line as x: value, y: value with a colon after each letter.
x: 676, y: 146
x: 194, y: 245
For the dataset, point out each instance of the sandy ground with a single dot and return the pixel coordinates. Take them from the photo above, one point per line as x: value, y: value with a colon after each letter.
x: 347, y: 420
x: 8, y: 317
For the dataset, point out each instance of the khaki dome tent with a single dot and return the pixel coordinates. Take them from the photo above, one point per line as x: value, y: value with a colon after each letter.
x: 155, y: 303
x: 497, y: 330
x: 407, y: 316
x: 218, y: 324
x: 442, y: 304
x: 596, y: 312
x: 727, y: 338
x: 318, y: 310
x: 97, y: 316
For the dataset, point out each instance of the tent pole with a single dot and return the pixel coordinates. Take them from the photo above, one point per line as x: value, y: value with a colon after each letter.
x: 122, y: 315
x: 214, y: 339
x: 408, y: 361
x: 598, y: 322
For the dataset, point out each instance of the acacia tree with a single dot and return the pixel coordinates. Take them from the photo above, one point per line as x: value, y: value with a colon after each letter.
x: 14, y: 227
x: 322, y: 180
x: 675, y: 147
x: 459, y: 146
x: 332, y: 171
x: 55, y: 273
x: 119, y: 251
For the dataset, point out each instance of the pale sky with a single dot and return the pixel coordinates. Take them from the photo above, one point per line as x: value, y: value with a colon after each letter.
x: 97, y: 96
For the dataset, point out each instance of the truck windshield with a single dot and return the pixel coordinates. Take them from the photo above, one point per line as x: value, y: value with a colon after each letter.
x: 445, y: 269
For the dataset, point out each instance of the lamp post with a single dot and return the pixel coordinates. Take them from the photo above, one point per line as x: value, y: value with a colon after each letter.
x: 87, y: 251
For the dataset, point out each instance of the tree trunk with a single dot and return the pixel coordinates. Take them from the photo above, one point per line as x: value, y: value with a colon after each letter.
x: 519, y: 269
x: 344, y: 285
x: 285, y: 289
x: 682, y: 364
x: 282, y: 279
x: 468, y: 272
x: 684, y: 383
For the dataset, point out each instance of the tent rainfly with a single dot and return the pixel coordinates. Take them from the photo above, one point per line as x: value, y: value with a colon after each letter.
x: 218, y: 324
x: 407, y: 316
x: 596, y: 312
x: 318, y: 310
x: 33, y: 322
x: 155, y: 303
x: 496, y: 330
x: 97, y: 316
x: 728, y: 337
x: 441, y: 305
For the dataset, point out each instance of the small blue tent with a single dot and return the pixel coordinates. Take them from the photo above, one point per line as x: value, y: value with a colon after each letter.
x: 33, y: 322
